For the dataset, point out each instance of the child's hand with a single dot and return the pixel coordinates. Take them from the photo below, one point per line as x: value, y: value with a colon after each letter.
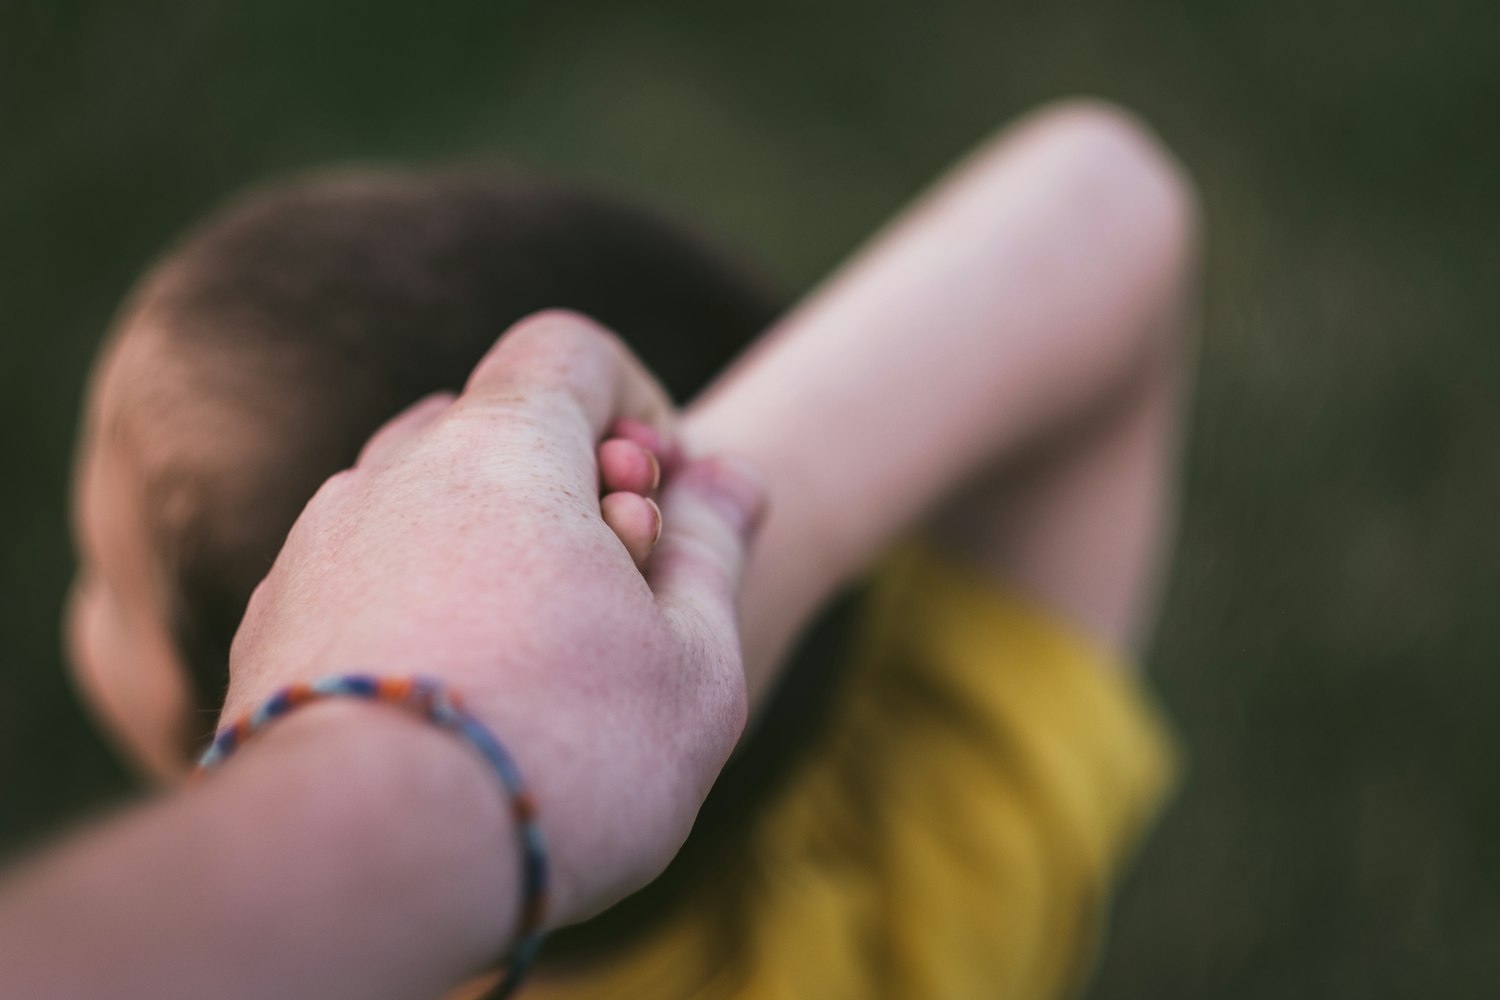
x: 631, y: 463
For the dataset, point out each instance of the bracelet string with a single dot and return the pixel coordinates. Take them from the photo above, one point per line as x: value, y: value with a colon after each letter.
x: 430, y: 700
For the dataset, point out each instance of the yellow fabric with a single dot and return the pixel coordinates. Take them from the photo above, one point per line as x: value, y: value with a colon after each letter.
x: 953, y: 835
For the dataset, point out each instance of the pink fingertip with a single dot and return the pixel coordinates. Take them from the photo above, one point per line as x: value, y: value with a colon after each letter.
x: 626, y: 465
x: 648, y: 437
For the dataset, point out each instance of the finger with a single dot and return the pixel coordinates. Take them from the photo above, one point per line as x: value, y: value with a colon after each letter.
x: 393, y: 436
x: 642, y: 434
x: 559, y: 353
x: 635, y: 520
x: 666, y: 449
x: 626, y: 466
x: 710, y: 510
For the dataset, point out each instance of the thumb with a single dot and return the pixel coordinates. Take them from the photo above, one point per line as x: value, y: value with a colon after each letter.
x: 710, y: 511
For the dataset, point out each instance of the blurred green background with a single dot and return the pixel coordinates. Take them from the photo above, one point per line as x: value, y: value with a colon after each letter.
x: 1330, y: 641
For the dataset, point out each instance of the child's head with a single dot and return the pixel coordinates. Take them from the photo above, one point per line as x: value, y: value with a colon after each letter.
x: 258, y: 356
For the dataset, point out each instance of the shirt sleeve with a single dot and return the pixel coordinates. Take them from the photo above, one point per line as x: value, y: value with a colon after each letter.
x: 958, y: 833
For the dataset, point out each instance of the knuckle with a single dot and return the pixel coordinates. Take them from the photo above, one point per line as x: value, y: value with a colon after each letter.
x: 331, y: 494
x: 554, y: 349
x: 558, y: 334
x: 531, y: 341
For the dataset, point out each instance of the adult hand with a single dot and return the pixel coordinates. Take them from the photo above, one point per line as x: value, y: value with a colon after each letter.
x: 467, y: 544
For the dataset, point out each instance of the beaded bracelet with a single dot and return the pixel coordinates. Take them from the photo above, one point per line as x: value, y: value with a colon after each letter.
x: 429, y: 699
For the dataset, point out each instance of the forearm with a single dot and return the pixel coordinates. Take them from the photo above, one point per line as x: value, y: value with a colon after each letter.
x: 1024, y: 290
x: 349, y: 852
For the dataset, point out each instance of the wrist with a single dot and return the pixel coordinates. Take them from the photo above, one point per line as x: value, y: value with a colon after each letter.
x: 351, y: 852
x: 410, y: 816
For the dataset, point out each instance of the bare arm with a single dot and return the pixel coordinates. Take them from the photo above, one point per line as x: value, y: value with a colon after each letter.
x: 351, y: 852
x: 1038, y: 282
x: 278, y: 879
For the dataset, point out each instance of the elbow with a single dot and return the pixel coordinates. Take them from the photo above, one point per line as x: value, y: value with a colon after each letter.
x: 1114, y: 162
x: 1137, y: 194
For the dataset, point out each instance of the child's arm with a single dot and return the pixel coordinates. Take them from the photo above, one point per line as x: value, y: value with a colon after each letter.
x: 1004, y: 356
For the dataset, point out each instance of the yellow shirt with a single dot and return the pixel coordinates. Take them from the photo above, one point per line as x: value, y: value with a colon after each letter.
x: 955, y: 832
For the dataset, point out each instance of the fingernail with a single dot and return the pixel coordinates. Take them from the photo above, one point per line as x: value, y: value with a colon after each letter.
x: 655, y: 469
x: 657, y: 511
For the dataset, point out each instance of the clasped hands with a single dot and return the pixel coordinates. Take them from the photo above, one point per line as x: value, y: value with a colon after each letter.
x: 468, y: 544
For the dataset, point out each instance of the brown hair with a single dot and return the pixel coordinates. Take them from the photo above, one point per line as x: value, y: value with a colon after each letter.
x: 308, y: 314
